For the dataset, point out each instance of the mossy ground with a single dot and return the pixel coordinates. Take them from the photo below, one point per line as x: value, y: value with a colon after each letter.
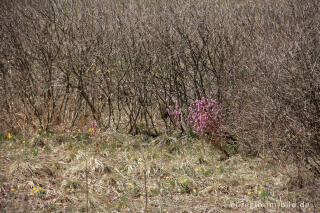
x: 47, y: 173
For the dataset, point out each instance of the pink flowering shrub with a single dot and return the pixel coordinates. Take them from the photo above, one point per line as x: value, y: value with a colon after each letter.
x: 93, y: 129
x: 175, y: 113
x: 204, y: 116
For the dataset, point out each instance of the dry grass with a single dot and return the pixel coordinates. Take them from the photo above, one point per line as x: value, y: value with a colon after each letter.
x: 47, y: 174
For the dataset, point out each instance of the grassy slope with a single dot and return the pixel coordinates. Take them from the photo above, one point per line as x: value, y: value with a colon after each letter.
x: 178, y: 178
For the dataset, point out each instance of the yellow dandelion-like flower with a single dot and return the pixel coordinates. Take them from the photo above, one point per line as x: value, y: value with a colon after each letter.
x: 256, y: 191
x: 38, y: 135
x: 181, y: 167
x: 261, y: 187
x: 107, y: 140
x: 206, y: 170
x: 129, y: 173
x: 131, y: 185
x: 162, y: 168
x: 119, y: 195
x: 23, y: 142
x: 249, y: 193
x: 197, y: 169
x: 12, y: 189
x: 79, y: 130
x: 194, y: 190
x: 167, y: 177
x: 41, y: 189
x: 15, y: 127
x: 90, y: 191
x: 149, y: 188
x: 74, y: 137
x: 22, y: 150
x: 42, y: 149
x: 73, y: 131
x: 10, y: 144
x: 9, y: 136
x: 34, y: 188
x: 35, y: 191
x: 141, y: 197
x: 179, y: 190
x: 260, y: 192
x: 164, y: 210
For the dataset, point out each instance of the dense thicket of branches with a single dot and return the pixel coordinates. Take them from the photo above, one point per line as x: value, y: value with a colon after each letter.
x: 65, y: 62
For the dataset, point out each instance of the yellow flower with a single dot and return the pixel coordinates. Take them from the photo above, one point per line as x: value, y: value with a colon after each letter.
x: 261, y: 187
x: 41, y: 189
x: 9, y: 136
x: 249, y: 193
x: 149, y: 188
x: 34, y: 188
x: 218, y: 166
x: 131, y: 185
x: 42, y: 149
x: 12, y: 189
x: 10, y: 144
x: 256, y: 191
x: 162, y: 168
x: 260, y: 192
x: 62, y: 135
x: 90, y: 130
x: 38, y: 135
x: 22, y: 150
x: 23, y: 142
x: 141, y: 197
x: 79, y: 130
x: 181, y: 167
x: 164, y: 210
x: 90, y: 191
x: 167, y: 177
x: 107, y: 140
x: 15, y: 127
x: 197, y: 169
x: 194, y: 190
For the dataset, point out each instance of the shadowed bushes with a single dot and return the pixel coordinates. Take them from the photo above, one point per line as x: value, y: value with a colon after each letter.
x: 67, y: 62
